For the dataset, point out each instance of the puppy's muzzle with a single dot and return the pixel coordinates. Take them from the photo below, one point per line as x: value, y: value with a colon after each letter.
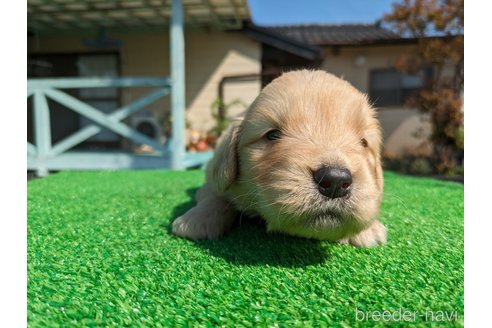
x: 333, y: 182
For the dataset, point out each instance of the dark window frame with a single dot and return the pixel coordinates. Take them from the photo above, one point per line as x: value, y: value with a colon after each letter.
x: 55, y: 56
x: 399, y: 93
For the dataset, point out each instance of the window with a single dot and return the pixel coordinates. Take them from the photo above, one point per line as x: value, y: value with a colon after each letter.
x: 105, y: 99
x: 64, y: 122
x: 389, y: 87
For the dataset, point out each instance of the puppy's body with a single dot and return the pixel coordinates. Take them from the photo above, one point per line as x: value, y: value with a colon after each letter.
x: 305, y: 158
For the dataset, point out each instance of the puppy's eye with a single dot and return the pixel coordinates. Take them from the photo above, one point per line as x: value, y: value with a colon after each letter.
x: 273, y: 134
x: 364, y: 143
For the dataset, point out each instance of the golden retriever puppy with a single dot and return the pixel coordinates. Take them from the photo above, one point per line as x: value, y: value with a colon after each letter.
x: 305, y: 158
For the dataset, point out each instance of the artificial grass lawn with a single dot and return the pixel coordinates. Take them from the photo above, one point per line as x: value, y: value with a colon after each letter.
x: 100, y: 253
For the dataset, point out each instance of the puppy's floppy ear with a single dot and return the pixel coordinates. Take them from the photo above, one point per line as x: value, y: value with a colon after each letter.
x: 222, y: 170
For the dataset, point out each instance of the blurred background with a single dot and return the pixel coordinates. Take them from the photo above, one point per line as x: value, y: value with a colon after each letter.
x: 141, y: 84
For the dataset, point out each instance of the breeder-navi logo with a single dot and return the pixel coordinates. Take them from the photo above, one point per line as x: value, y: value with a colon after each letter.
x: 405, y: 315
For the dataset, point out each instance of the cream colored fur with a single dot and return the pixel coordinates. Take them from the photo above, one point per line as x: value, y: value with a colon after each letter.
x: 323, y: 121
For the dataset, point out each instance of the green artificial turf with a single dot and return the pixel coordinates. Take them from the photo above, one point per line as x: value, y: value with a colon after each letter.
x: 100, y: 253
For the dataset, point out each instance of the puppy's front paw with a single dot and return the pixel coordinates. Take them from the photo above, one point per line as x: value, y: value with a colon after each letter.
x: 199, y: 223
x: 372, y: 236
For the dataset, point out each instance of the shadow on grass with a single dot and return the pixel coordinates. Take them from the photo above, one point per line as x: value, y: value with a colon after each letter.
x: 250, y: 244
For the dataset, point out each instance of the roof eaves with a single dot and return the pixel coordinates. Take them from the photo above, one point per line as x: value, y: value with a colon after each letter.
x: 385, y: 41
x: 283, y: 42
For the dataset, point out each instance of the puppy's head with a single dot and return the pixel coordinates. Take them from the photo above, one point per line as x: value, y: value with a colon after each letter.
x: 306, y: 157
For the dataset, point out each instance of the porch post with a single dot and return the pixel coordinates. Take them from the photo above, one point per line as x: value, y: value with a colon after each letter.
x: 42, y: 131
x: 177, y: 56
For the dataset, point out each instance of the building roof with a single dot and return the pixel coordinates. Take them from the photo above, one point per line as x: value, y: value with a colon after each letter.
x: 68, y: 16
x: 325, y: 35
x: 280, y: 41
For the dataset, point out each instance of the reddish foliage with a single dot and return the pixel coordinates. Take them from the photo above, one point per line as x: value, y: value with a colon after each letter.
x: 442, y: 94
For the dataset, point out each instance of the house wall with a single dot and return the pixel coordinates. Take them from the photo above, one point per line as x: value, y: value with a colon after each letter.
x: 209, y: 57
x: 404, y: 129
x: 212, y: 55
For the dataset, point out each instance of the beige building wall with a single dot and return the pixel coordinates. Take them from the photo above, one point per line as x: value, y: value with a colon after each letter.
x: 403, y: 128
x: 210, y: 56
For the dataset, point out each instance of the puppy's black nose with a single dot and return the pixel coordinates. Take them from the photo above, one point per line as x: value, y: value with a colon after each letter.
x: 333, y: 182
